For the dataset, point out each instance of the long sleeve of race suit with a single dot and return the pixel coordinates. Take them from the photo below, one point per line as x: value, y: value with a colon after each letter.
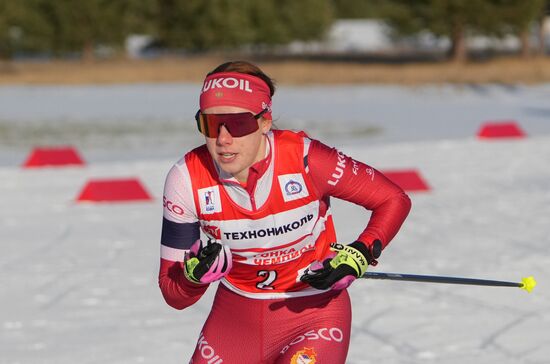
x: 335, y: 174
x: 180, y: 229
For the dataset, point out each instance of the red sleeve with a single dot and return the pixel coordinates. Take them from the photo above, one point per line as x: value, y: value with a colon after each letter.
x: 335, y: 174
x: 176, y: 289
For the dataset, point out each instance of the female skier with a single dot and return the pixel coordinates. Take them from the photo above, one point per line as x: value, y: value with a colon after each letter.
x: 261, y: 199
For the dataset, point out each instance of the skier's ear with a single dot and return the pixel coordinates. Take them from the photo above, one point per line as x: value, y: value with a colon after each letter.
x: 265, y: 125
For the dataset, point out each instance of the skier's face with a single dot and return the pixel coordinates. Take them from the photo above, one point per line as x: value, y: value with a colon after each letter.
x: 235, y: 155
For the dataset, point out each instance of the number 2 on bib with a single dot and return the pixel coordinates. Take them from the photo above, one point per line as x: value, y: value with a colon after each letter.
x: 269, y: 277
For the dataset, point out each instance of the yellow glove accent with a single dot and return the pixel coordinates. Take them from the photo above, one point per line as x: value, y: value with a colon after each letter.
x: 349, y: 255
x: 190, y: 265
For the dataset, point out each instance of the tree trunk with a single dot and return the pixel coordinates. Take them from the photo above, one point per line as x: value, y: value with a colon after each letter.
x: 88, y: 52
x: 458, y: 43
x: 540, y: 33
x: 525, y: 44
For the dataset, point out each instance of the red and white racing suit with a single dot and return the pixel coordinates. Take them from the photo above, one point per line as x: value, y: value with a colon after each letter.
x: 275, y: 225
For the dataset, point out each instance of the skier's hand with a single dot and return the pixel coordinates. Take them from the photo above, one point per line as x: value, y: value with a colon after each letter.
x: 349, y: 263
x: 207, y: 263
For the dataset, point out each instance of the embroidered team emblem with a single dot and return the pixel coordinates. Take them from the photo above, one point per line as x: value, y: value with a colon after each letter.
x: 305, y: 356
x: 293, y: 186
x: 209, y: 199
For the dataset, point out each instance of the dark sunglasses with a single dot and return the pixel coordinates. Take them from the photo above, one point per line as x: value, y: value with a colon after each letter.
x: 237, y: 125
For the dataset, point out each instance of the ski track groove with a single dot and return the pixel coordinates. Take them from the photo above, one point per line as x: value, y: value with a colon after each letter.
x: 34, y: 251
x: 402, y: 348
x: 491, y: 339
x: 80, y: 280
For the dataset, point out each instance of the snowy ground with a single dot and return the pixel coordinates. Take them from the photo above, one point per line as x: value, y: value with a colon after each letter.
x: 78, y: 282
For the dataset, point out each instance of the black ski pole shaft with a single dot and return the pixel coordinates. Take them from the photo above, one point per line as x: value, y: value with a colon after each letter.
x: 527, y: 283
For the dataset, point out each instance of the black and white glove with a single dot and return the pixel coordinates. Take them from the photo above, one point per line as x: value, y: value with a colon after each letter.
x: 349, y: 263
x: 207, y: 263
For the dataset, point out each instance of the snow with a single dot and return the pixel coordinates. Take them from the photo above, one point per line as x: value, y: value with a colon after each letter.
x: 78, y: 282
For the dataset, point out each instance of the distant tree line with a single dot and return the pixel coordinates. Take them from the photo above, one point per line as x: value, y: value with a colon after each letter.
x: 79, y: 27
x: 458, y: 19
x: 62, y: 27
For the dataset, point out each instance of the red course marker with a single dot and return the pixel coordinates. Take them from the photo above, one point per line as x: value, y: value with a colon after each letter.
x: 500, y: 129
x: 408, y: 180
x: 53, y: 156
x: 113, y: 190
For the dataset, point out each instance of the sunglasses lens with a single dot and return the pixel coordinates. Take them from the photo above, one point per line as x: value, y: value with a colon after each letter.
x: 238, y: 125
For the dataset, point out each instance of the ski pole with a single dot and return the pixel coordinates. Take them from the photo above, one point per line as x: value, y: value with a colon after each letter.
x: 527, y: 283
